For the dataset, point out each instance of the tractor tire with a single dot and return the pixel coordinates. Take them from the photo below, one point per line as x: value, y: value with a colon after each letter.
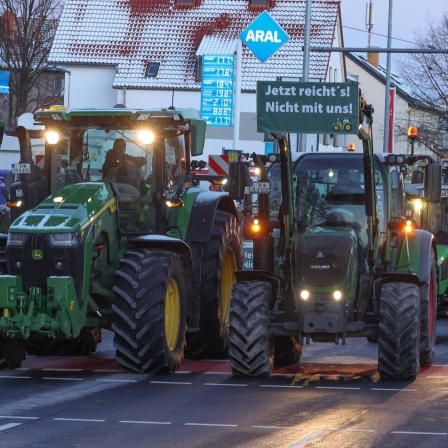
x: 287, y: 351
x: 83, y: 345
x: 399, y: 331
x: 428, y: 315
x: 222, y: 256
x: 251, y: 350
x: 12, y: 353
x: 150, y: 312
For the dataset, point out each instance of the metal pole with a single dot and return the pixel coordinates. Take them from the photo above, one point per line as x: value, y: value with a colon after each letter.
x: 301, y: 143
x: 238, y: 74
x: 388, y: 64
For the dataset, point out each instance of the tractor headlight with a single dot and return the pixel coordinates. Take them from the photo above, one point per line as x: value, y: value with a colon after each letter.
x: 337, y: 295
x: 16, y: 239
x: 304, y: 294
x: 52, y: 137
x: 62, y: 239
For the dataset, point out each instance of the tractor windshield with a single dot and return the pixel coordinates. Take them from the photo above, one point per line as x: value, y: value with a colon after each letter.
x: 119, y: 156
x: 329, y: 190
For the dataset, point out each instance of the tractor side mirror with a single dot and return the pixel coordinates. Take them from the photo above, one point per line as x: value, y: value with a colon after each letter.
x: 433, y: 182
x: 238, y: 179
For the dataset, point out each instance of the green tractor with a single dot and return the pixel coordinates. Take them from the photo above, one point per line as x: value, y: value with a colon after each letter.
x: 141, y: 250
x: 337, y: 260
x: 431, y: 216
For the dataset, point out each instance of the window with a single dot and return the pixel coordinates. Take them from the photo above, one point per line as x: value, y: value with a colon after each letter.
x: 58, y: 86
x: 152, y: 69
x: 261, y: 4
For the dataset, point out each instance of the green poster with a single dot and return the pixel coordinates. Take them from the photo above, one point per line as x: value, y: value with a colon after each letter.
x: 307, y: 107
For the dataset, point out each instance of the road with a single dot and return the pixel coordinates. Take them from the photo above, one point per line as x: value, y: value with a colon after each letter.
x: 333, y: 398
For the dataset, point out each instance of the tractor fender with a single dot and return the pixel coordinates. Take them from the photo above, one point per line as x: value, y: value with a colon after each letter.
x: 421, y: 245
x: 203, y: 213
x: 162, y: 242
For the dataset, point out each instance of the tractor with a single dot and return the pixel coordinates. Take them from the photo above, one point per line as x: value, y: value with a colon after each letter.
x: 141, y: 250
x: 334, y: 261
x: 431, y: 216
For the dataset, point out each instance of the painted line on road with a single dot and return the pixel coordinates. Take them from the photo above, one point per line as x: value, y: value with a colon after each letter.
x: 284, y: 387
x: 78, y: 420
x: 117, y: 381
x: 420, y: 433
x: 62, y: 379
x: 336, y: 387
x: 210, y: 424
x: 19, y: 418
x: 217, y: 373
x: 381, y: 389
x: 308, y: 438
x: 8, y: 426
x: 15, y: 376
x: 62, y: 370
x: 275, y: 427
x: 227, y: 385
x: 170, y: 382
x: 108, y: 371
x: 145, y: 423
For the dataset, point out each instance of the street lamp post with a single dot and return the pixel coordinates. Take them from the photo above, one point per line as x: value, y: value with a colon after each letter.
x: 412, y: 136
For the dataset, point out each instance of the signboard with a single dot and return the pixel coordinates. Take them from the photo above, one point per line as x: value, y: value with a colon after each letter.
x: 264, y: 36
x: 218, y: 74
x: 308, y: 107
x: 218, y: 165
x: 4, y: 81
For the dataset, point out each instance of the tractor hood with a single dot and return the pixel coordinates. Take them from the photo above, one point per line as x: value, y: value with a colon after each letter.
x: 326, y: 256
x: 72, y: 208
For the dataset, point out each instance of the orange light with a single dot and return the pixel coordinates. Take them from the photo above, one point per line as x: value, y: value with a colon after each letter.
x: 412, y: 133
x: 408, y: 227
x: 256, y: 226
x: 351, y: 146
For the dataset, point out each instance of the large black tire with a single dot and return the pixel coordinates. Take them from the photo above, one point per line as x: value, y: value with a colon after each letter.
x: 287, y: 351
x: 222, y: 256
x: 399, y: 331
x: 84, y: 344
x: 428, y: 315
x: 150, y: 312
x: 251, y: 350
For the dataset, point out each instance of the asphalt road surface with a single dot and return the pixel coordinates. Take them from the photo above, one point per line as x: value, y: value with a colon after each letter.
x: 333, y: 398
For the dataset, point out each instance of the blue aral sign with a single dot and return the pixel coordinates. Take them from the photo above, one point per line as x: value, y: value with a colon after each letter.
x: 4, y: 81
x: 264, y: 36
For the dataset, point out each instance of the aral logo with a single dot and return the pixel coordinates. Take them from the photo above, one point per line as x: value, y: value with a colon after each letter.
x: 37, y: 254
x: 264, y: 36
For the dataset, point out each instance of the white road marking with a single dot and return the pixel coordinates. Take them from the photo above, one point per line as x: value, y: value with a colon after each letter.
x: 78, y: 420
x: 19, y: 418
x: 219, y: 384
x: 307, y: 439
x: 145, y: 423
x: 169, y: 382
x: 209, y: 424
x: 337, y: 387
x: 62, y: 370
x: 117, y: 381
x: 181, y: 372
x: 62, y: 379
x: 15, y: 377
x: 275, y: 427
x: 285, y: 387
x: 420, y: 433
x: 393, y: 390
x: 108, y: 371
x: 9, y: 425
x: 218, y: 373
